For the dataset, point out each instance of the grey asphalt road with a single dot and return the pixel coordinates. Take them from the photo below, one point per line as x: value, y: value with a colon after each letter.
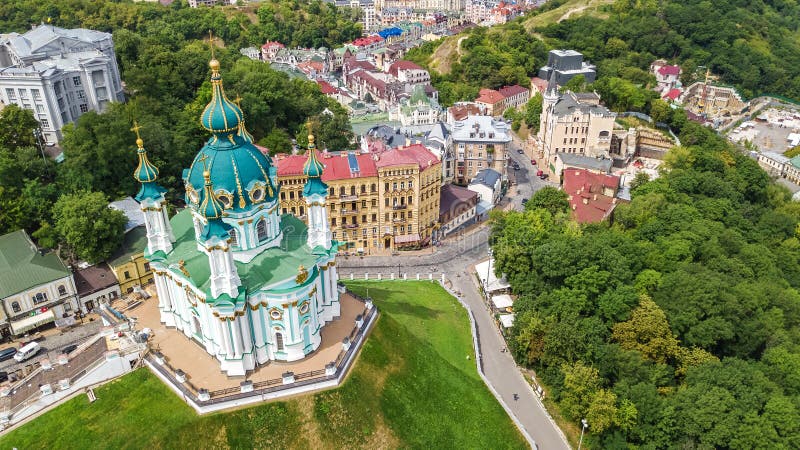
x: 52, y: 345
x: 454, y: 259
x: 525, y: 180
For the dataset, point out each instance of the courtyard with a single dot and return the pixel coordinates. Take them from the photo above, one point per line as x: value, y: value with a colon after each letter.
x: 202, y: 369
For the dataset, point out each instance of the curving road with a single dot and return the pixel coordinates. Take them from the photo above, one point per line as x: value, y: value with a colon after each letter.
x: 455, y: 259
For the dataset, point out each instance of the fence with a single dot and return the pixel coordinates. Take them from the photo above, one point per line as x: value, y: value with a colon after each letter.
x: 203, y: 400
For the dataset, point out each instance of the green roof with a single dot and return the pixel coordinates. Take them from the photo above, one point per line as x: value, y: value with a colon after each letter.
x: 22, y: 267
x: 135, y: 242
x: 795, y: 161
x: 269, y: 267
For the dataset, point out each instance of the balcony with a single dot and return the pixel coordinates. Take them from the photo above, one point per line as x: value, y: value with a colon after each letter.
x: 398, y: 220
x: 350, y: 225
x: 346, y: 198
x: 347, y: 212
x: 398, y: 207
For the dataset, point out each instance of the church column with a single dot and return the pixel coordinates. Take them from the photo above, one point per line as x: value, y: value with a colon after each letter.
x: 236, y: 332
x: 258, y: 327
x: 247, y: 339
x: 226, y: 338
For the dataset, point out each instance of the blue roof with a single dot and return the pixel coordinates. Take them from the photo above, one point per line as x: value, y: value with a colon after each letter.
x: 392, y: 31
x: 352, y: 161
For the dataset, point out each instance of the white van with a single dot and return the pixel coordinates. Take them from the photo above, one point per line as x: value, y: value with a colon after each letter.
x: 27, y: 351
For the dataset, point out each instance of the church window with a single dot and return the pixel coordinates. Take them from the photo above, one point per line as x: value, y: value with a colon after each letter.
x: 234, y: 238
x: 15, y: 307
x: 276, y: 314
x: 257, y: 194
x: 261, y: 230
x: 279, y: 341
x: 304, y: 308
x: 41, y: 297
x: 224, y: 198
x: 62, y: 291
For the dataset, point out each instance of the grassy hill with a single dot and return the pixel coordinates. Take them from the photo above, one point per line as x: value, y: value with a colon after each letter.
x: 414, y: 386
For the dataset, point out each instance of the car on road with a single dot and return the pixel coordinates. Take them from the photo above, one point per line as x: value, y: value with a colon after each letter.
x: 69, y: 349
x: 3, y: 376
x: 544, y: 177
x: 533, y: 162
x: 524, y: 200
x: 539, y: 173
x: 27, y: 351
x: 516, y: 166
x: 520, y: 151
x: 7, y: 353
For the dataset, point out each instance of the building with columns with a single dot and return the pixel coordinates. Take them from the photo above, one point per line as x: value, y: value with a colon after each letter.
x: 248, y: 284
x: 59, y: 74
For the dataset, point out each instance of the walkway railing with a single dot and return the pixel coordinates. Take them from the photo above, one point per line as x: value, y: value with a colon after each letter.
x: 332, y: 371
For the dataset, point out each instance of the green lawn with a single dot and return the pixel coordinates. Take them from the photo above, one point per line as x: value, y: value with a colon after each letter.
x: 414, y: 386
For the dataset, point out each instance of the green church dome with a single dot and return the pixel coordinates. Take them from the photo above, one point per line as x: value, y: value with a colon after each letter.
x: 241, y: 175
x: 221, y: 115
x: 313, y: 170
x: 146, y: 173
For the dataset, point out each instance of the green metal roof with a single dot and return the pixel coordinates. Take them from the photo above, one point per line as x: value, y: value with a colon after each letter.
x: 22, y: 267
x: 134, y: 243
x: 269, y: 267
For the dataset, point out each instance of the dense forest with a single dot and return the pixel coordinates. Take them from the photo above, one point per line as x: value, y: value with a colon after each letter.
x: 754, y: 46
x: 676, y: 325
x: 163, y: 54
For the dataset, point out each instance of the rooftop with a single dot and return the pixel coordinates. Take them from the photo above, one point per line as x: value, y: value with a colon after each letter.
x: 587, y: 194
x: 131, y: 209
x: 486, y: 177
x: 489, y: 97
x: 134, y: 243
x: 452, y: 196
x: 23, y: 267
x: 510, y: 91
x: 415, y: 154
x: 270, y: 267
x: 481, y: 129
x: 569, y: 103
x: 669, y: 70
x: 93, y: 279
x: 585, y: 162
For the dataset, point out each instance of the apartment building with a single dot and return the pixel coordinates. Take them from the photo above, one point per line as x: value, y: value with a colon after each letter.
x: 376, y: 201
x: 480, y: 142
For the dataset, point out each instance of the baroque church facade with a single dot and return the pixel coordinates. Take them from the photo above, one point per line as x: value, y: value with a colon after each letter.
x: 248, y: 284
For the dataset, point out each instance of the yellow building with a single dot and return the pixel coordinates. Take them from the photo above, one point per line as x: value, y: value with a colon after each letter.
x: 376, y: 201
x: 128, y: 262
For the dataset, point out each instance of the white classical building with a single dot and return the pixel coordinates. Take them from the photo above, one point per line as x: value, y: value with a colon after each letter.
x: 249, y: 285
x: 59, y: 74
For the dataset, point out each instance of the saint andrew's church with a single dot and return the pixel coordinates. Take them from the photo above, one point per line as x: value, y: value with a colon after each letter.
x: 231, y: 273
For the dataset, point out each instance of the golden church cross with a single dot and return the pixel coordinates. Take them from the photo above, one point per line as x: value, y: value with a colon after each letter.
x: 136, y: 128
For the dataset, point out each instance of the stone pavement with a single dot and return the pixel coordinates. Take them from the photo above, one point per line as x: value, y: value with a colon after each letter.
x: 55, y: 340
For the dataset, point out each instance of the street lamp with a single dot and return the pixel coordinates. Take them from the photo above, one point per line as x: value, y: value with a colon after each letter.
x: 584, y: 424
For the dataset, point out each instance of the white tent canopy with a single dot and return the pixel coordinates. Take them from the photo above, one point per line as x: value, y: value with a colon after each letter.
x: 502, y: 301
x: 507, y: 320
x: 495, y: 284
x: 21, y: 326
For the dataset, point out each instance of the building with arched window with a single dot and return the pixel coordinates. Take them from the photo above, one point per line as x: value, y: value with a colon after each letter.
x: 247, y: 282
x: 36, y: 288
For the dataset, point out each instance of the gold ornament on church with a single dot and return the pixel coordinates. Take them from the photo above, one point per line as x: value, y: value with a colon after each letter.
x: 182, y: 267
x: 302, y: 275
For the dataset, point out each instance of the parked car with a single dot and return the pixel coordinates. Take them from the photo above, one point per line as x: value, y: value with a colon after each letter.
x: 520, y: 151
x: 69, y: 349
x: 544, y: 177
x: 533, y: 161
x: 27, y: 351
x: 7, y: 353
x: 3, y: 376
x: 539, y: 173
x: 516, y: 166
x: 524, y: 200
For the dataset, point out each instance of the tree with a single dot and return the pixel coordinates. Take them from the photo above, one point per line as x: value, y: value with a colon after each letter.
x: 575, y: 84
x: 660, y: 111
x: 602, y: 411
x: 89, y: 228
x: 533, y: 112
x: 580, y: 385
x: 549, y: 198
x: 16, y: 127
x: 640, y: 179
x: 647, y: 332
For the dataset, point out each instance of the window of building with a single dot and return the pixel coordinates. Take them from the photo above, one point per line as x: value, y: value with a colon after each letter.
x: 84, y: 108
x: 333, y: 221
x: 410, y: 215
x: 332, y: 192
x: 127, y: 275
x: 341, y: 191
x: 386, y: 200
x: 283, y: 195
x: 374, y: 231
x: 374, y: 217
x: 352, y: 190
x: 279, y: 341
x: 15, y: 307
x: 11, y: 94
x: 363, y: 203
x: 364, y: 232
x: 363, y: 218
x: 386, y: 187
x: 235, y: 238
x: 291, y: 195
x: 261, y: 229
x: 374, y: 203
x: 344, y: 220
x: 76, y: 81
x: 386, y: 217
x: 302, y: 210
x: 81, y: 95
x: 373, y: 188
x: 41, y: 297
x: 363, y: 188
x: 333, y: 235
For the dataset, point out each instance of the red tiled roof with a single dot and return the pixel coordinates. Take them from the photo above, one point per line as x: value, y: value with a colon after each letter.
x: 93, y: 279
x: 489, y: 97
x: 403, y: 65
x: 461, y: 112
x: 271, y: 44
x: 510, y: 91
x: 670, y: 70
x: 673, y: 94
x: 336, y: 167
x: 369, y: 40
x: 540, y: 84
x: 413, y: 154
x: 587, y: 202
x: 326, y: 87
x: 353, y: 63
